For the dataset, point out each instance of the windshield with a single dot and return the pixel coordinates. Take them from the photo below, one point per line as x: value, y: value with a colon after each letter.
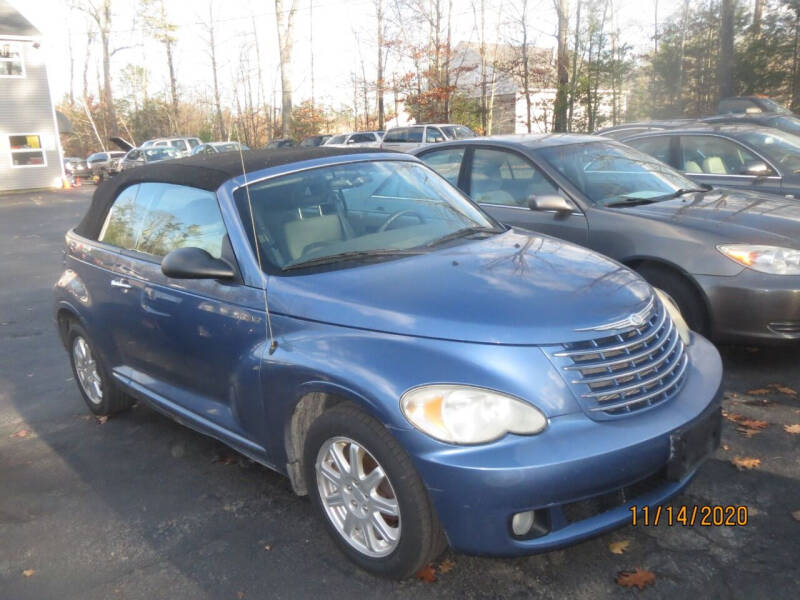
x: 772, y: 106
x: 457, y: 132
x: 606, y: 172
x: 159, y: 153
x: 379, y: 207
x: 786, y: 123
x: 781, y: 146
x: 232, y: 147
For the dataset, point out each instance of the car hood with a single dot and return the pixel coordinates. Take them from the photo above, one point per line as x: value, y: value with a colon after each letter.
x: 735, y: 215
x: 513, y: 288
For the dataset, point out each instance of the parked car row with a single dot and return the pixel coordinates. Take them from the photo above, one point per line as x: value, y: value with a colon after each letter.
x: 531, y: 290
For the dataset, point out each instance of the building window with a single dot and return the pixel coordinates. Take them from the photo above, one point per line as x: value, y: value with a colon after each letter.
x: 11, y: 60
x: 26, y: 150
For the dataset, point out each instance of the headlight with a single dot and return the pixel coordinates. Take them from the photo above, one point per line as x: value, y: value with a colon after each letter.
x: 766, y: 259
x: 675, y: 314
x: 468, y: 415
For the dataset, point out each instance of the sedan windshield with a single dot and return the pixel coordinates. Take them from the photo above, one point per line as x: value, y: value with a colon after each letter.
x: 608, y: 173
x: 159, y: 153
x: 781, y: 146
x: 356, y: 211
x: 458, y: 132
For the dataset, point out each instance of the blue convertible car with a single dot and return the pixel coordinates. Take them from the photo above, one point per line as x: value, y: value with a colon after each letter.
x: 425, y: 375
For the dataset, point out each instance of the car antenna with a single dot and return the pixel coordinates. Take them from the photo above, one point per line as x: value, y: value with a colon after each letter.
x: 273, y: 343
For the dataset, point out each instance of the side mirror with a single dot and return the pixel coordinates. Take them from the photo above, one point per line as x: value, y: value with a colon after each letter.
x: 195, y: 263
x: 758, y: 169
x: 554, y: 202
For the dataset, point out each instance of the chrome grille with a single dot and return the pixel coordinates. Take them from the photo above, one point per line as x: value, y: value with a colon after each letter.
x: 619, y: 374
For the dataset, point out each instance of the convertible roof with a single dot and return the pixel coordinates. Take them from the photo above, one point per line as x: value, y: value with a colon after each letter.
x: 204, y: 171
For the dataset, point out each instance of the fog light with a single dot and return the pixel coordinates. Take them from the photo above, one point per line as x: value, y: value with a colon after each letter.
x: 522, y: 523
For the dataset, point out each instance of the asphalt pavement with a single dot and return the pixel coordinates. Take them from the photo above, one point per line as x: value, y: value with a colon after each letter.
x: 140, y: 507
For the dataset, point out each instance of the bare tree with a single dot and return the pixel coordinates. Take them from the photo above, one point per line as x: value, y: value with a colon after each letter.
x: 726, y: 54
x: 758, y: 10
x: 162, y: 30
x: 285, y: 24
x: 560, y: 107
x: 379, y: 82
x: 212, y: 54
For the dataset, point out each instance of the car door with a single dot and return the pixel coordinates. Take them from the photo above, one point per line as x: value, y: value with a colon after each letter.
x: 723, y: 162
x: 503, y: 181
x: 433, y: 135
x: 196, y: 345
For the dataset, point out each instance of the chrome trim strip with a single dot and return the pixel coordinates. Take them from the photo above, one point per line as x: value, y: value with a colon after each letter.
x: 620, y: 346
x: 621, y: 374
x: 640, y: 399
x: 639, y: 384
x: 628, y: 321
x: 618, y: 360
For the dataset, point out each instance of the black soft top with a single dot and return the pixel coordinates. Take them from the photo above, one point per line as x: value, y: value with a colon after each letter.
x: 204, y: 171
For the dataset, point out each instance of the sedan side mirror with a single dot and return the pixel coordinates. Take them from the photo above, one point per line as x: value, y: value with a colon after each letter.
x: 195, y: 263
x: 758, y: 169
x: 554, y: 202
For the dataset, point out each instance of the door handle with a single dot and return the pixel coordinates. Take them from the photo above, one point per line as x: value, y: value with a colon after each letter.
x: 121, y: 283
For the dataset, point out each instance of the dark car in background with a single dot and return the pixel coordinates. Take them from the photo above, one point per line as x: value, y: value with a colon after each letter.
x: 729, y: 259
x: 626, y: 130
x: 141, y: 156
x: 750, y: 104
x: 282, y: 143
x: 735, y: 156
x: 314, y: 140
x: 218, y: 147
x: 785, y: 122
x: 427, y: 376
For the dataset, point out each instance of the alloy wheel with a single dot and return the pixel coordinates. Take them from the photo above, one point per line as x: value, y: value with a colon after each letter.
x: 86, y: 368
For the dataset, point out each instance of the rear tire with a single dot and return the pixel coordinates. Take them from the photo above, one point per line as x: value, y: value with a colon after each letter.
x: 95, y: 383
x: 413, y: 535
x: 683, y: 294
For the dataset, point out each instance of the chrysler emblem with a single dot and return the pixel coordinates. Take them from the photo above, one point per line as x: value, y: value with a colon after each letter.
x: 636, y: 319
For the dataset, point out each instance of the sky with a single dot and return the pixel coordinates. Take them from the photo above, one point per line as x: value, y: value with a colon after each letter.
x: 343, y: 32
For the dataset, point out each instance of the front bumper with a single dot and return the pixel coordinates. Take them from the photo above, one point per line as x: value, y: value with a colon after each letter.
x: 753, y: 306
x: 571, y: 473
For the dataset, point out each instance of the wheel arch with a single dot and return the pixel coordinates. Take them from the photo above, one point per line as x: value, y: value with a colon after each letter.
x: 65, y: 313
x: 637, y: 262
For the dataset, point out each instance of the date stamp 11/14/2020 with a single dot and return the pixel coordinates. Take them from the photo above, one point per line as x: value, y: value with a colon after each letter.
x: 703, y: 515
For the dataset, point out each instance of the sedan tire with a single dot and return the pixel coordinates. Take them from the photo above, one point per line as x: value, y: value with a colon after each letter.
x: 369, y: 495
x: 95, y: 383
x: 685, y: 297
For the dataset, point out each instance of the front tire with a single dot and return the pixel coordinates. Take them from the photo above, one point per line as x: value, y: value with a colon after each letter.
x: 682, y: 293
x: 370, y: 497
x: 98, y: 389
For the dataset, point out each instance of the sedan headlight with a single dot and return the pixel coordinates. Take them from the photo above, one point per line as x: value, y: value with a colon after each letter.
x: 774, y: 260
x: 462, y: 414
x: 675, y: 314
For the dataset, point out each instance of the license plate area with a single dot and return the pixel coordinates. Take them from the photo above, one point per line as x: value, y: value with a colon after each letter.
x: 693, y: 443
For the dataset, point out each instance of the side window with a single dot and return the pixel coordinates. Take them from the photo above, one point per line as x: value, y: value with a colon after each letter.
x: 415, y: 135
x: 360, y: 138
x: 713, y: 155
x: 177, y: 216
x: 396, y: 135
x: 121, y: 228
x: 194, y: 142
x: 11, y: 64
x: 506, y: 178
x: 445, y: 162
x: 657, y: 147
x: 433, y: 135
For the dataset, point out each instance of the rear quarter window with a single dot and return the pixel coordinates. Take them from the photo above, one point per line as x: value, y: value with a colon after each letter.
x: 396, y: 136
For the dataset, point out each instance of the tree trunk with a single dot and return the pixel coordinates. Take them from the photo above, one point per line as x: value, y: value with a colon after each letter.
x: 285, y: 24
x: 560, y: 106
x: 448, y: 54
x: 758, y: 9
x: 526, y: 69
x: 726, y: 56
x: 484, y: 116
x: 379, y: 82
x: 575, y: 52
x: 213, y: 52
x: 795, y: 106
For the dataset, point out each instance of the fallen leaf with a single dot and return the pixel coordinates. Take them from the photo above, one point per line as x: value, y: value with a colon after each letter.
x: 446, y: 565
x: 28, y: 572
x: 796, y: 515
x: 793, y: 429
x: 239, y: 595
x: 726, y: 447
x: 22, y: 433
x: 102, y: 420
x: 745, y: 463
x: 748, y: 432
x: 753, y: 424
x: 638, y: 578
x: 783, y: 389
x: 225, y: 459
x: 267, y: 547
x: 619, y: 547
x: 759, y: 392
x: 427, y: 574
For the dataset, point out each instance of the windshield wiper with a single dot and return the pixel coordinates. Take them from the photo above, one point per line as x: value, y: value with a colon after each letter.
x: 354, y: 254
x: 459, y: 233
x: 635, y: 201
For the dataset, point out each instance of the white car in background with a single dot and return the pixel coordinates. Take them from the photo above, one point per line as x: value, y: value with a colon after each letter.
x: 414, y: 136
x: 356, y: 139
x: 183, y: 145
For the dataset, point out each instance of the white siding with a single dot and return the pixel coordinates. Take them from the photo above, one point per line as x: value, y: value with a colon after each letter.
x: 27, y: 108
